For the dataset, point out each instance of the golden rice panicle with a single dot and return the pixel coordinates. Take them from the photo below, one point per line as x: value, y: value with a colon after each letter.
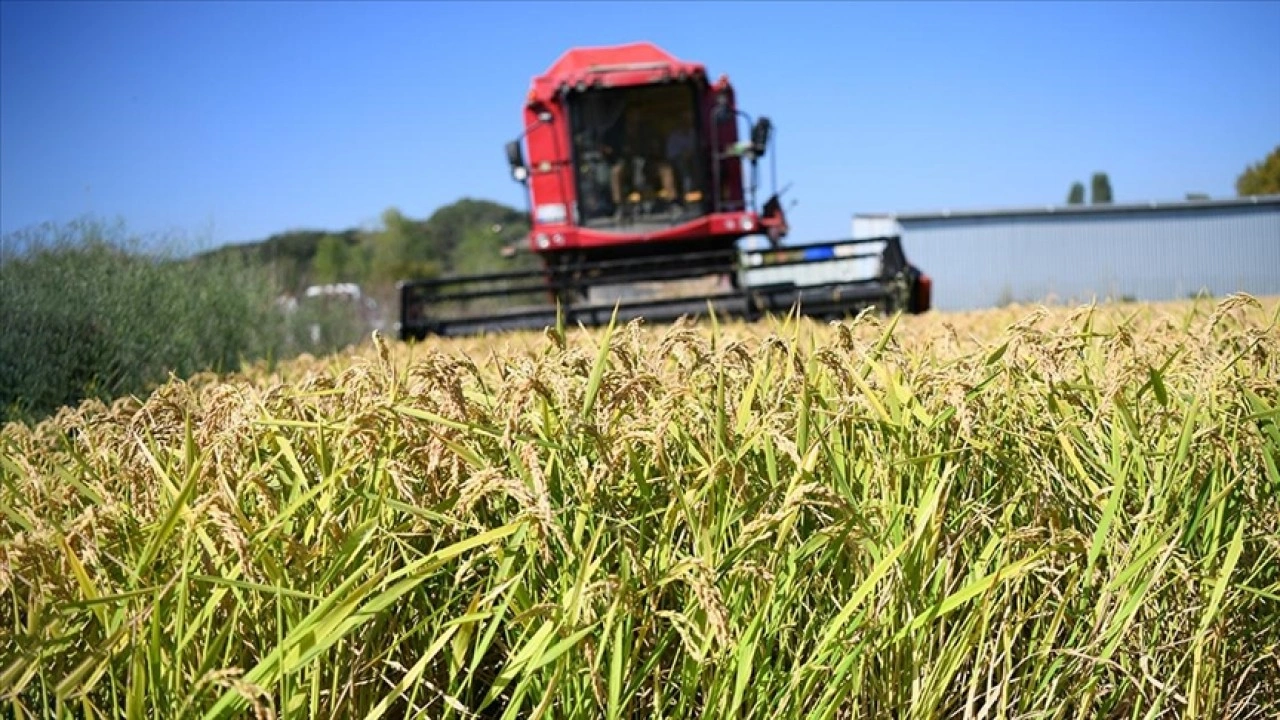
x: 1004, y: 513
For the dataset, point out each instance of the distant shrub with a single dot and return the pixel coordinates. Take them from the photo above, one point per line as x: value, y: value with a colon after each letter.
x: 88, y: 312
x: 324, y: 325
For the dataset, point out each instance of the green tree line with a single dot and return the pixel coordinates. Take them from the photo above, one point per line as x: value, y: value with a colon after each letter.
x: 463, y: 237
x: 1100, y: 185
x: 1262, y: 177
x: 1259, y: 178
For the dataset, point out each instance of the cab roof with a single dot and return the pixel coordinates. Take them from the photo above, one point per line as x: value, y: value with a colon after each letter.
x: 611, y: 65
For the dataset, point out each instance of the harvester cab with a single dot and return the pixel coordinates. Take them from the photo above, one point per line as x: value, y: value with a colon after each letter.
x: 632, y: 153
x: 636, y: 171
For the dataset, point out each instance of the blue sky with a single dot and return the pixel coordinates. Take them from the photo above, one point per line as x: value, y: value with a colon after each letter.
x: 231, y: 121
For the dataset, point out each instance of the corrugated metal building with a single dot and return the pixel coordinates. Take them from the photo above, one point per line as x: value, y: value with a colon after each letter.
x: 1077, y: 253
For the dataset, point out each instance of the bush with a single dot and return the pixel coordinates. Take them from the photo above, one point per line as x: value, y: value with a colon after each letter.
x: 324, y: 325
x: 90, y: 313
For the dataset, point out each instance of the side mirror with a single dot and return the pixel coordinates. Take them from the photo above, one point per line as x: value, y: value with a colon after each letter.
x: 515, y: 159
x: 760, y: 136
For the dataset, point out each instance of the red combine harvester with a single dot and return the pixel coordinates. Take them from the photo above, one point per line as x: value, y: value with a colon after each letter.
x: 637, y: 173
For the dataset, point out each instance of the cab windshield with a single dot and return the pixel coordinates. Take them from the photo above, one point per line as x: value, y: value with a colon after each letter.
x: 636, y: 157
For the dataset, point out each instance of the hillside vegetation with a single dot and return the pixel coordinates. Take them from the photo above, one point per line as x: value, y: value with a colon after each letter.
x: 1018, y: 513
x: 462, y: 237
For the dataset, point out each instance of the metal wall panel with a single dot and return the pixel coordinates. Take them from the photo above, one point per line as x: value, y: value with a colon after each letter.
x: 1156, y: 255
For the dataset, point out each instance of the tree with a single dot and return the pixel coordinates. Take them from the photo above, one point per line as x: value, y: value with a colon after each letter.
x: 489, y: 224
x: 1101, y: 189
x: 1076, y: 196
x: 480, y: 250
x: 357, y: 261
x: 389, y: 259
x: 392, y: 256
x: 1261, y: 178
x: 331, y: 260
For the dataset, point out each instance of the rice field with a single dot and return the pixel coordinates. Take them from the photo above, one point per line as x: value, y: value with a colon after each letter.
x: 1021, y: 513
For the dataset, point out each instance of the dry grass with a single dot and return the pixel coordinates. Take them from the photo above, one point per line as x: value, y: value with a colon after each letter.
x: 1011, y: 514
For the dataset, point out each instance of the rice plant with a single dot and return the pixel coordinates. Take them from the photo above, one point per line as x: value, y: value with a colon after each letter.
x: 1022, y: 513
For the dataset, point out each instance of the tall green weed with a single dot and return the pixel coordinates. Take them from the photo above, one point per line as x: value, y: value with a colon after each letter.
x: 90, y: 311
